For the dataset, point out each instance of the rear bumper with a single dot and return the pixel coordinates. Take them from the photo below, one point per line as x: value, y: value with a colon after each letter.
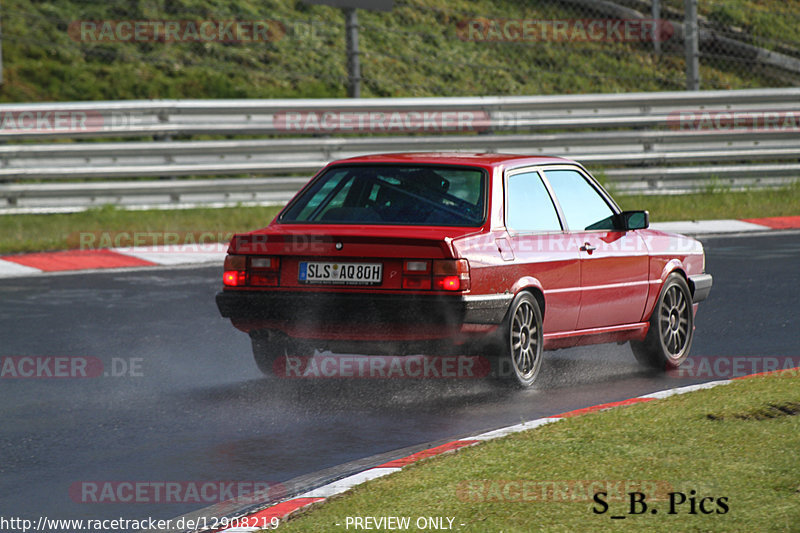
x: 342, y: 311
x: 701, y: 286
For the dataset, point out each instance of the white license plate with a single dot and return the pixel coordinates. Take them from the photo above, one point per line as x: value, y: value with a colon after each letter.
x: 340, y: 273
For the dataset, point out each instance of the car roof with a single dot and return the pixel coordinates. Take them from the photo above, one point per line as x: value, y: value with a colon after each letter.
x: 457, y: 158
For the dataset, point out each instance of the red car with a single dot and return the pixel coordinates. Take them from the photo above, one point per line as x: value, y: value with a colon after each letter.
x: 511, y: 255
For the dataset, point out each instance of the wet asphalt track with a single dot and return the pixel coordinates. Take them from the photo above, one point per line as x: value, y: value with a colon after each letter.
x: 198, y: 410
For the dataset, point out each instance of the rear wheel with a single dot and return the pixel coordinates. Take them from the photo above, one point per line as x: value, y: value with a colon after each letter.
x: 522, y: 341
x: 268, y: 347
x: 669, y: 338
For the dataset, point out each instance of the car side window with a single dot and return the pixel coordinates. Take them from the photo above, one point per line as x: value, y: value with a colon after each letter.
x: 530, y: 207
x: 583, y: 206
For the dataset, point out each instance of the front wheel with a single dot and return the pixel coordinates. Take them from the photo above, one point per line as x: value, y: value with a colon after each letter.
x: 671, y: 331
x: 523, y: 340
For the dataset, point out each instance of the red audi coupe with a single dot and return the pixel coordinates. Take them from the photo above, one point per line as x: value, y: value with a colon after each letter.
x: 428, y: 252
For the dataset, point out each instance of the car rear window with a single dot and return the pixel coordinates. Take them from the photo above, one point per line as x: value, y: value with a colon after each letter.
x: 393, y: 194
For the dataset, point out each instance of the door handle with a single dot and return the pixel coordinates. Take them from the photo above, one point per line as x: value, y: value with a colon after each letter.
x: 588, y: 248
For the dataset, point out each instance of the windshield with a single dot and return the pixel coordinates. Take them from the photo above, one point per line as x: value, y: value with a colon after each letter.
x: 393, y: 194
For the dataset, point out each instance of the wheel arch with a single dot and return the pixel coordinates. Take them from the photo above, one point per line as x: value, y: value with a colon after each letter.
x: 673, y: 266
x: 534, y: 287
x: 682, y: 273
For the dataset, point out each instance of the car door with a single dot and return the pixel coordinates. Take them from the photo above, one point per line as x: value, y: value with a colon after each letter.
x: 541, y: 248
x: 613, y: 263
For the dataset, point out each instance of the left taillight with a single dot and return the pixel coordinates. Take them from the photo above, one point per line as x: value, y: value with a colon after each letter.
x: 235, y: 271
x: 417, y: 275
x: 258, y: 271
x: 264, y: 271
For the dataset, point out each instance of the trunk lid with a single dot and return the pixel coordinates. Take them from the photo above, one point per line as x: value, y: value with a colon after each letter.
x: 304, y: 250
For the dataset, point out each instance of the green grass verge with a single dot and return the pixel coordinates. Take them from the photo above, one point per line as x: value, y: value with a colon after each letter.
x: 107, y: 227
x: 33, y: 233
x: 717, y: 203
x: 717, y: 442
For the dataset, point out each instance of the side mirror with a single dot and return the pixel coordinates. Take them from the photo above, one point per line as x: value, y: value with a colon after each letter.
x: 631, y: 220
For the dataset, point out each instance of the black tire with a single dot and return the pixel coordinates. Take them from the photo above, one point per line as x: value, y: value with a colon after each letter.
x: 671, y: 332
x: 268, y: 346
x: 522, y: 341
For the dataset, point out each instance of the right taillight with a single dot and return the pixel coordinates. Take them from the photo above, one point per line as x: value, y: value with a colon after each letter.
x: 439, y: 274
x: 451, y: 275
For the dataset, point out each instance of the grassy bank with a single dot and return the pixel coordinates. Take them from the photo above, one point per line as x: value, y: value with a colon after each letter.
x: 414, y: 50
x: 31, y: 233
x: 736, y: 444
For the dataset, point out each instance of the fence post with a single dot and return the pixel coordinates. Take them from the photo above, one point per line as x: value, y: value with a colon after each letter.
x: 691, y: 41
x: 1, y: 52
x: 656, y: 12
x: 353, y: 63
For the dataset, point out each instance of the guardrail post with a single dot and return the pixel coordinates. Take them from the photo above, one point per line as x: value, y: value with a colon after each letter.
x: 163, y: 117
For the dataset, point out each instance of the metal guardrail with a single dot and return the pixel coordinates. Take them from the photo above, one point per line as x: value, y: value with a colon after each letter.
x: 136, y: 118
x: 635, y: 140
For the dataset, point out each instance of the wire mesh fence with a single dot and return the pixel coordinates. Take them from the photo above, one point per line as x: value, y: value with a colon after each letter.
x: 80, y: 50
